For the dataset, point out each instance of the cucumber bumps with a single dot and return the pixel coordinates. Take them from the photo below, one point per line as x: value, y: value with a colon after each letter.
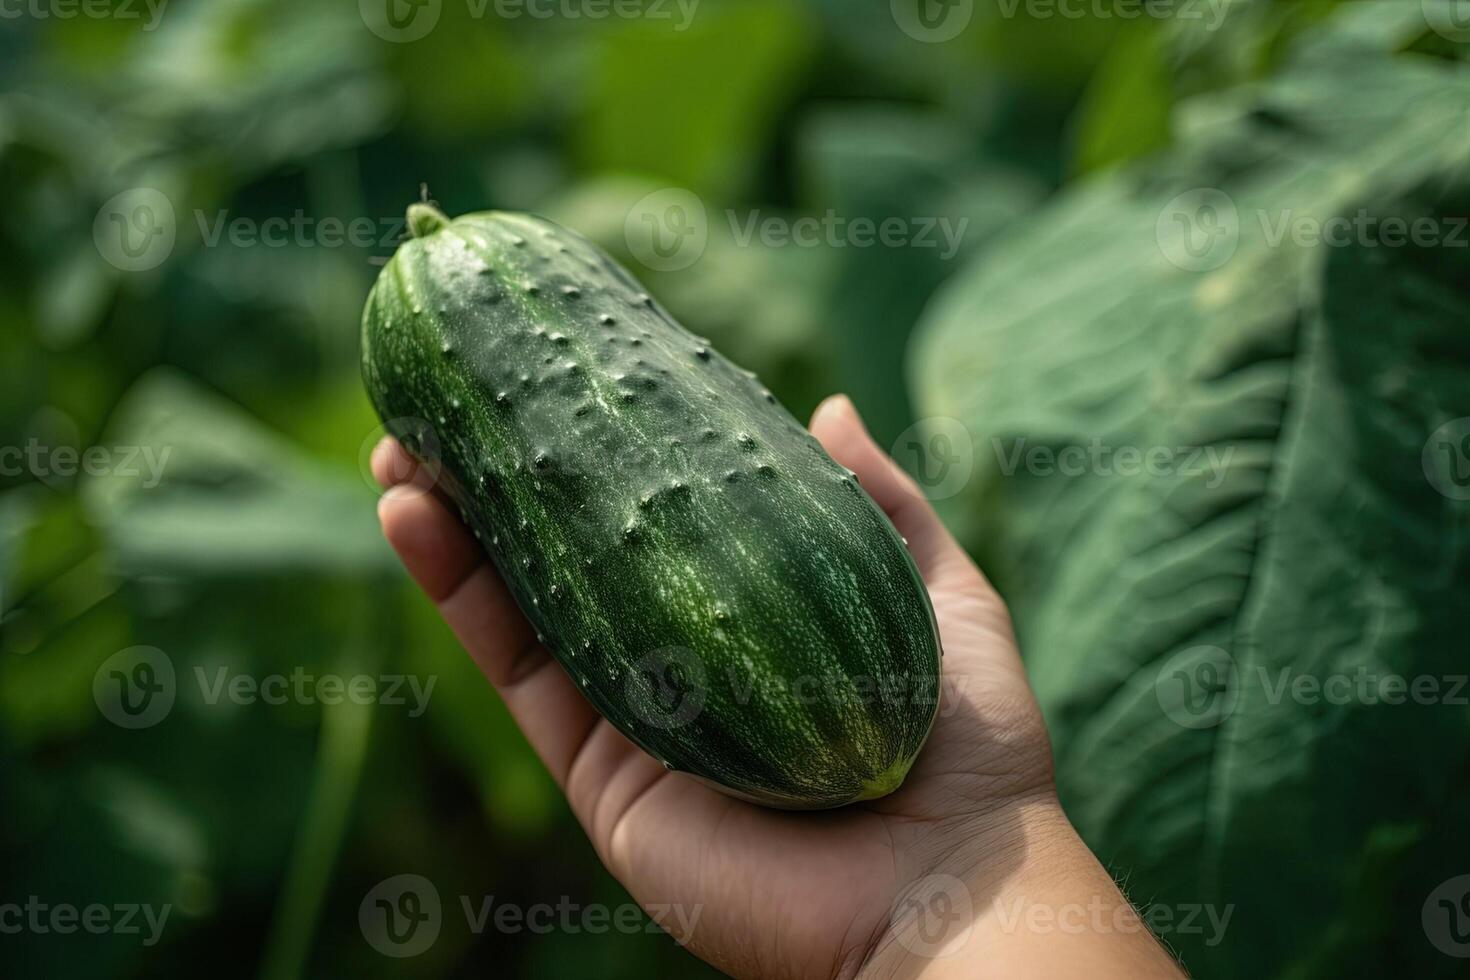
x: 720, y: 589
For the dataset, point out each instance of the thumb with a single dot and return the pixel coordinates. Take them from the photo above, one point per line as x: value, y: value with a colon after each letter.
x: 973, y: 620
x: 841, y: 431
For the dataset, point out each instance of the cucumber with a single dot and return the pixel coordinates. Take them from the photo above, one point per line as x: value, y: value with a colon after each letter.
x: 722, y: 591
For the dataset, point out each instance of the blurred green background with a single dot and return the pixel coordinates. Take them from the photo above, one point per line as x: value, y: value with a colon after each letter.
x: 263, y: 826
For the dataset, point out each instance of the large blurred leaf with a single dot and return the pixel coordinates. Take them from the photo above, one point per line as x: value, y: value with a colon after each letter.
x: 467, y: 74
x: 733, y: 63
x: 1311, y: 544
x: 1125, y: 110
x: 98, y: 835
x: 472, y: 727
x: 263, y: 81
x: 211, y: 491
x: 16, y: 508
x: 893, y: 163
x: 58, y: 619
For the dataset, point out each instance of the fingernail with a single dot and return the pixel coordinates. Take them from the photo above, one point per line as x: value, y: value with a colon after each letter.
x: 834, y: 403
x: 845, y: 405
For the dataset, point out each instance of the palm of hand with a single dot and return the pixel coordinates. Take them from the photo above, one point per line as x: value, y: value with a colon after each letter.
x: 762, y: 892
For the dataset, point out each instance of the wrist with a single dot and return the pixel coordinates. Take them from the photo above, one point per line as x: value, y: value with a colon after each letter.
x: 1037, y: 903
x: 935, y: 916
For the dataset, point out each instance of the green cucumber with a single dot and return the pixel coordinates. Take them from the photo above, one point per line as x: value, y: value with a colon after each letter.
x: 723, y: 592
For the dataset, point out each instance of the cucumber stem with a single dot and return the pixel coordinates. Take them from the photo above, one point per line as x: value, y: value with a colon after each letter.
x: 425, y: 219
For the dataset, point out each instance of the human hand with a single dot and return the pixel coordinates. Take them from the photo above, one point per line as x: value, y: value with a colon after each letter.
x: 781, y: 894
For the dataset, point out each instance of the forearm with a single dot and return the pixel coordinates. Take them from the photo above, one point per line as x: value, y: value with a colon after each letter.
x: 1052, y: 912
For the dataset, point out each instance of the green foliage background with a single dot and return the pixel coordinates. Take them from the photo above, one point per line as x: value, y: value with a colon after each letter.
x: 264, y: 826
x: 1317, y: 545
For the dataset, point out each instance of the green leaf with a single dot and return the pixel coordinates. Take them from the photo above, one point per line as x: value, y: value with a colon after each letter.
x: 1153, y: 310
x: 734, y: 64
x: 1125, y: 109
x: 58, y: 617
x: 266, y: 81
x: 17, y: 507
x: 884, y: 164
x: 468, y: 74
x: 73, y: 298
x: 207, y: 490
x: 471, y: 727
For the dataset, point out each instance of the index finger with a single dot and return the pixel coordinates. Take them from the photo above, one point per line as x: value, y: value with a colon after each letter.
x: 454, y: 572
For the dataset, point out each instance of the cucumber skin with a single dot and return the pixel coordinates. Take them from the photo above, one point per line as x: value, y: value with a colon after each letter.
x: 724, y: 593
